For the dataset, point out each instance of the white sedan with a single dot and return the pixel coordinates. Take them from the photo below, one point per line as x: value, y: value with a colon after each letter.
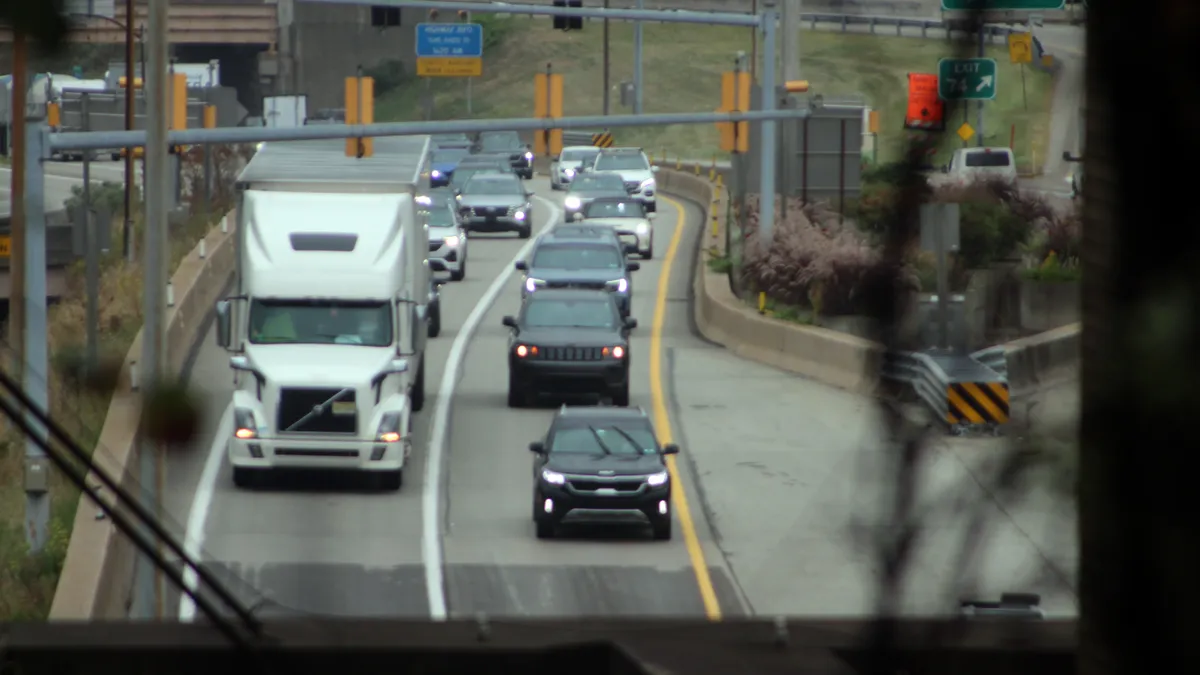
x: 627, y: 217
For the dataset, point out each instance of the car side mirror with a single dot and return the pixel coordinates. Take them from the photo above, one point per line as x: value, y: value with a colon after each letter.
x: 630, y: 322
x: 653, y: 169
x: 537, y: 447
x: 651, y: 216
x: 670, y: 449
x: 577, y: 216
x: 509, y: 321
x: 437, y: 264
x: 633, y: 266
x: 397, y: 366
x: 521, y: 266
x: 224, y: 324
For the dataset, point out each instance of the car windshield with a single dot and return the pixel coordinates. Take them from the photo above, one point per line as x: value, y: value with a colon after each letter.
x: 598, y: 183
x: 987, y: 159
x: 450, y: 139
x: 559, y: 313
x: 320, y: 322
x: 575, y: 257
x: 441, y: 216
x: 603, y: 438
x: 579, y: 155
x: 461, y: 176
x: 440, y: 197
x: 494, y: 187
x: 621, y: 162
x: 628, y: 209
x: 501, y: 142
x: 449, y: 156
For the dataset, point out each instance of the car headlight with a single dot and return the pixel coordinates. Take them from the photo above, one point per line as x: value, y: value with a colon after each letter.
x: 452, y: 240
x: 525, y: 350
x: 656, y: 479
x: 648, y: 183
x: 618, y: 285
x: 553, y: 477
x: 572, y: 202
x: 435, y: 173
x: 617, y: 352
x: 389, y: 428
x: 519, y: 215
x: 532, y: 284
x: 244, y: 426
x: 529, y: 156
x: 642, y: 228
x: 569, y: 173
x: 424, y: 201
x: 259, y: 146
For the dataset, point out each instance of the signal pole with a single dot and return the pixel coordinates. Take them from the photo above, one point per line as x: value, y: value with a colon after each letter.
x: 16, y: 272
x: 607, y: 64
x: 130, y: 178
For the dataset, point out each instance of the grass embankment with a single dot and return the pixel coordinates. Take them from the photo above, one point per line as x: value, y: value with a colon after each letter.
x: 682, y: 66
x: 27, y: 582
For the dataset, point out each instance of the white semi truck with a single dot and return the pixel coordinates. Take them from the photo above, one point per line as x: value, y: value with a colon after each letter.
x: 328, y: 323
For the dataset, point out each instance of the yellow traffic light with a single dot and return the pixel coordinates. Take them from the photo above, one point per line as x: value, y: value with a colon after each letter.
x: 123, y: 82
x: 735, y: 97
x: 795, y: 86
x: 360, y: 109
x: 178, y: 101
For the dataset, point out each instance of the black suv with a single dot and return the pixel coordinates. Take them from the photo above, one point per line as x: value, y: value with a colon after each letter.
x: 520, y: 156
x: 568, y: 342
x: 595, y: 262
x: 601, y: 464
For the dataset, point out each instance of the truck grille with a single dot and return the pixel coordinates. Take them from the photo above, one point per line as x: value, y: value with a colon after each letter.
x: 480, y: 211
x: 340, y: 417
x: 620, y: 484
x: 570, y: 353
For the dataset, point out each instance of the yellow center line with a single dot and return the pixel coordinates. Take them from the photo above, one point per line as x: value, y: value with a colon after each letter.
x: 662, y: 422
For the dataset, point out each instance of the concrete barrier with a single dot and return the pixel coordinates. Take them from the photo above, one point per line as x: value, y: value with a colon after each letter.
x: 836, y: 359
x: 97, y: 575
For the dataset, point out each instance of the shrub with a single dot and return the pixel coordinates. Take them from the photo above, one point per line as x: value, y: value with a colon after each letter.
x: 1061, y: 235
x: 994, y: 219
x: 815, y: 261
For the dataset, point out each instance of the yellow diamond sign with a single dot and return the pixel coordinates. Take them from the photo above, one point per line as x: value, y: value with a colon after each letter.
x: 966, y: 131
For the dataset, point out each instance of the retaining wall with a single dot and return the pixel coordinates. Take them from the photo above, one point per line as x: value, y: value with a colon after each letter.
x: 97, y: 575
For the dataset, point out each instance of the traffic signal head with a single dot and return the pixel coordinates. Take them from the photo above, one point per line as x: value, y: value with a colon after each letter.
x: 565, y: 22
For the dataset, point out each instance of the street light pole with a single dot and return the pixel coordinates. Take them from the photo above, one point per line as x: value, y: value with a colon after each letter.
x: 607, y: 63
x: 127, y: 232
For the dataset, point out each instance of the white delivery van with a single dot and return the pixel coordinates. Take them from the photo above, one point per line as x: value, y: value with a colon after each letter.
x: 970, y: 164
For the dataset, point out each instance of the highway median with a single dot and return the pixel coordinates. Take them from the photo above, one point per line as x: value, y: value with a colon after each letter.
x: 831, y: 357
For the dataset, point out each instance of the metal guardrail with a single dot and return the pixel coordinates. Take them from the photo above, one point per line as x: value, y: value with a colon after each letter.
x: 966, y: 393
x: 599, y: 139
x: 995, y: 358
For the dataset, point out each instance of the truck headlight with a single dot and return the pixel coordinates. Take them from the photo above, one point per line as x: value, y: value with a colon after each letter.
x: 389, y: 428
x: 244, y: 426
x: 569, y: 173
x: 451, y: 241
x: 529, y: 156
x: 572, y: 202
x: 532, y: 284
x: 642, y: 229
x: 657, y: 479
x: 553, y: 477
x: 647, y: 184
x: 618, y: 285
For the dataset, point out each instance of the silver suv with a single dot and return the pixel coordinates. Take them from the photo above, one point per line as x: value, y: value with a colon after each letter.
x: 635, y: 170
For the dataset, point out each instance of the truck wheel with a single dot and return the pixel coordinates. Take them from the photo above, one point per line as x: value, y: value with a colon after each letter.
x: 418, y: 391
x: 435, y: 321
x: 516, y: 393
x: 391, y: 480
x: 246, y: 478
x: 648, y: 254
x: 461, y: 273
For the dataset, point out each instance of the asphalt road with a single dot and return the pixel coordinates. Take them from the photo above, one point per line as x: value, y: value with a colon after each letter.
x: 60, y: 178
x: 356, y: 553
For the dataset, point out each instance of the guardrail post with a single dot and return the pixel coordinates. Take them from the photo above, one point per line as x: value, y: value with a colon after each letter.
x: 845, y: 24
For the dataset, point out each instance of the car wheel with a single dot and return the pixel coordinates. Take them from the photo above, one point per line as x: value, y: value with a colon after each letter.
x: 516, y: 393
x: 435, y: 321
x: 662, y: 528
x: 417, y: 397
x: 460, y: 273
x: 544, y: 528
x: 391, y: 480
x: 620, y: 397
x: 648, y: 254
x: 525, y: 231
x: 537, y: 505
x: 246, y: 478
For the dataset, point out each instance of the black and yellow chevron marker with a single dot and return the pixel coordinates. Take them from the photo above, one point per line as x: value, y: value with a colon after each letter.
x: 977, y: 403
x: 602, y: 140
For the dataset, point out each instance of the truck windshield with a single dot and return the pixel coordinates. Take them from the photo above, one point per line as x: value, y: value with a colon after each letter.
x: 320, y: 322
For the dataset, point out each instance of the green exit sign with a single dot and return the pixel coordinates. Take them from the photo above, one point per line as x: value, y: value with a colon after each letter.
x: 1001, y: 5
x: 967, y: 79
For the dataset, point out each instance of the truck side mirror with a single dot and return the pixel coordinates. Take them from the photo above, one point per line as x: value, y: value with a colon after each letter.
x: 521, y: 266
x: 509, y: 321
x: 224, y: 324
x: 633, y: 266
x: 670, y: 449
x: 537, y: 447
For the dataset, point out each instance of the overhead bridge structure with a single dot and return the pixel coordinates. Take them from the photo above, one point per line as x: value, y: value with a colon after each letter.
x: 230, y: 22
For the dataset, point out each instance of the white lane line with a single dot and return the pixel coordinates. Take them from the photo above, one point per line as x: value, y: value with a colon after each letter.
x: 431, y: 513
x: 193, y: 538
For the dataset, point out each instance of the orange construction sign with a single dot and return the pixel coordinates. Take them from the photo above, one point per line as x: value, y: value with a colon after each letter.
x: 926, y: 110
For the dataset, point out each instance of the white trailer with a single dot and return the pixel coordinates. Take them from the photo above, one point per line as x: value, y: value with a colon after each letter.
x: 285, y: 111
x: 328, y: 324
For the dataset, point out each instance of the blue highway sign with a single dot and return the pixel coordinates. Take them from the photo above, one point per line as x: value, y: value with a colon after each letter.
x: 463, y: 40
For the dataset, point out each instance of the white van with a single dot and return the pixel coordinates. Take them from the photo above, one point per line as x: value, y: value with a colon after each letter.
x: 971, y: 164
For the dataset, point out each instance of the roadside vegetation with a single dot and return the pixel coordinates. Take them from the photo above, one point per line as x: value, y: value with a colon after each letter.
x: 821, y: 259
x: 79, y: 396
x: 682, y: 74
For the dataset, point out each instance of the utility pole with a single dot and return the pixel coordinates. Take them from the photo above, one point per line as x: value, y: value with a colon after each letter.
x: 36, y: 359
x: 607, y: 64
x: 148, y: 583
x: 130, y: 176
x: 766, y: 145
x: 637, y: 62
x: 16, y: 271
x: 790, y: 60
